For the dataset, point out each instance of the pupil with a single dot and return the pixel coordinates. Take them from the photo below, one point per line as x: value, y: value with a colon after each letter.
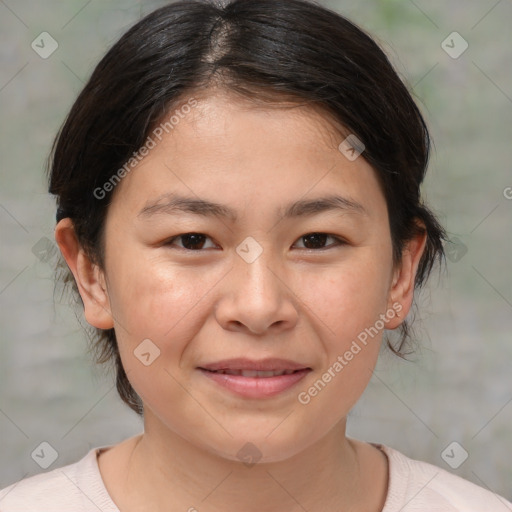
x: 195, y: 237
x: 316, y: 237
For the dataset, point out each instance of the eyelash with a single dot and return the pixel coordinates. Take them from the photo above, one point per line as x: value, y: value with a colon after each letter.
x: 339, y: 241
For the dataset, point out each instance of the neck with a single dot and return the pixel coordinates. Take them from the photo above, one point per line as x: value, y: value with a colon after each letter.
x: 163, y: 471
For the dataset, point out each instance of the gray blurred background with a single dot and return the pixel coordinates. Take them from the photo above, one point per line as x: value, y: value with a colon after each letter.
x: 458, y: 388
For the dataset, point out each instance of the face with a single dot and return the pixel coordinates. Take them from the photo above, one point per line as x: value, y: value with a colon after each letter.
x: 315, y: 287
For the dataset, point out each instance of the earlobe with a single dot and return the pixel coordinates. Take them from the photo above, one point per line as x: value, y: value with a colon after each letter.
x: 404, y: 276
x: 88, y: 276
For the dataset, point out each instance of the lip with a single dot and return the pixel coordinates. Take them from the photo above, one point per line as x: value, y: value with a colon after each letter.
x: 242, y: 363
x: 256, y: 387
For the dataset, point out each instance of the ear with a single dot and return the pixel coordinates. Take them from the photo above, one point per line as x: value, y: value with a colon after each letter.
x: 88, y: 276
x: 402, y: 286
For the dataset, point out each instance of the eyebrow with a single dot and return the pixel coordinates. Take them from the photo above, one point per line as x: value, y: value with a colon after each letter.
x: 175, y: 204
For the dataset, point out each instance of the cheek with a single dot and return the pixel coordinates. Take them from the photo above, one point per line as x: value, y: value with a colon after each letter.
x: 349, y: 307
x: 346, y: 298
x: 157, y: 299
x: 167, y: 305
x: 159, y: 310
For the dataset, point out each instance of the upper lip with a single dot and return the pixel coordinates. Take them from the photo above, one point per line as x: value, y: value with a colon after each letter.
x: 249, y: 364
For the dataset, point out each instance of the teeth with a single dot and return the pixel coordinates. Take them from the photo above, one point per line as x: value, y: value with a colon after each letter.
x: 256, y: 373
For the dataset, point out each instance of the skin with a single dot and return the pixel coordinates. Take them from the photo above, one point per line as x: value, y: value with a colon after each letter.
x: 205, y: 305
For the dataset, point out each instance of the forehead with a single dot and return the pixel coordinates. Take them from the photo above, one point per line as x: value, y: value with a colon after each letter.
x: 216, y: 110
x: 246, y: 154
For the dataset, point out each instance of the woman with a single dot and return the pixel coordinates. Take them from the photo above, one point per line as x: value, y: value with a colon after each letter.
x: 240, y: 211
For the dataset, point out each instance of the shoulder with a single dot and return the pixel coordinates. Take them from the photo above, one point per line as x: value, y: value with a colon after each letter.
x: 419, y: 486
x: 76, y: 487
x: 45, y: 491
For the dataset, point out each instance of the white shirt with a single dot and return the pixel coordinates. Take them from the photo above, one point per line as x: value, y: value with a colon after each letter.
x: 414, y: 486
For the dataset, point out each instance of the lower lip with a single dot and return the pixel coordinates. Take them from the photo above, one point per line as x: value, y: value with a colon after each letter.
x: 256, y: 387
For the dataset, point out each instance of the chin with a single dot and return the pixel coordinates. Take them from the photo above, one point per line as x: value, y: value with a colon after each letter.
x: 259, y: 448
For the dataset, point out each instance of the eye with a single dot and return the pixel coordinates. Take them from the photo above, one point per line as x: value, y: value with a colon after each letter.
x: 313, y: 240
x: 195, y: 241
x: 191, y: 241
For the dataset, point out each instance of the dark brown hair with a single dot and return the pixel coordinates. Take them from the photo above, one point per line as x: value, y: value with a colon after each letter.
x: 264, y: 50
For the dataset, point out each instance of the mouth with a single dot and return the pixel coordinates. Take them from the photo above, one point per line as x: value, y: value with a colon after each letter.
x: 255, y: 379
x: 269, y: 367
x: 253, y: 373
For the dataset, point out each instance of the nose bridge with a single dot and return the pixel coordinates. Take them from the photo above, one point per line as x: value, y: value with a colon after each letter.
x: 256, y: 260
x: 257, y: 298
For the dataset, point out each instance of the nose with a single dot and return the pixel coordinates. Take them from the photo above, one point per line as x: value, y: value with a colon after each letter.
x: 257, y: 298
